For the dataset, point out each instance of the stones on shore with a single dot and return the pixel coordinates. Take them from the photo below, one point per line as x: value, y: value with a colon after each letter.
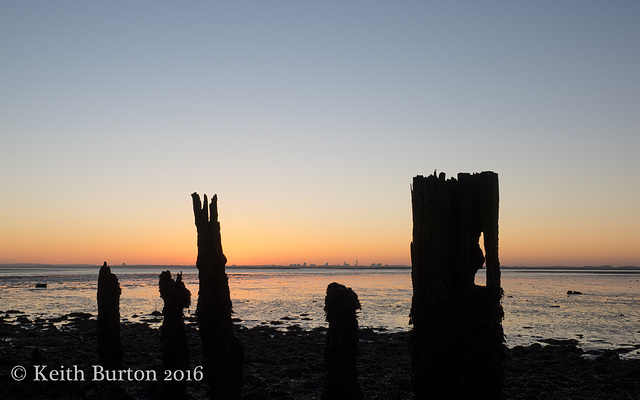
x: 79, y: 315
x: 40, y: 322
x: 286, y: 319
x: 289, y: 365
x: 560, y: 342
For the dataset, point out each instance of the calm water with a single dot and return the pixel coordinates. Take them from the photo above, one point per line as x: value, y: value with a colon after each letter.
x: 536, y: 303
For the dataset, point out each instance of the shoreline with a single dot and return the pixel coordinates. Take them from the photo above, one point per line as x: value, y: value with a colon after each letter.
x: 288, y: 364
x: 9, y: 268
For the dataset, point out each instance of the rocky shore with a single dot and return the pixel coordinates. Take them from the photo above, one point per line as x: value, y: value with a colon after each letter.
x: 279, y: 364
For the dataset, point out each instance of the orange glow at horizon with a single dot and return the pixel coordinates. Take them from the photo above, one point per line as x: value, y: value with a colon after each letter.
x: 260, y: 247
x: 283, y: 240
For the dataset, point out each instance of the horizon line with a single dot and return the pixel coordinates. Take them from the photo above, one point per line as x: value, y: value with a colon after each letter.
x: 312, y: 266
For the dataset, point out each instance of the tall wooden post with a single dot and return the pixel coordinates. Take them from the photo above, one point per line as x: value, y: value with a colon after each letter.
x: 109, y: 342
x: 174, y: 338
x: 223, y: 353
x: 341, y: 382
x: 457, y: 342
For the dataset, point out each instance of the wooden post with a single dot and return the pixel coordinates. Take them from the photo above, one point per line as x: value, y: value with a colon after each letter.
x: 341, y: 382
x: 457, y: 342
x: 174, y: 338
x: 109, y: 342
x: 223, y: 353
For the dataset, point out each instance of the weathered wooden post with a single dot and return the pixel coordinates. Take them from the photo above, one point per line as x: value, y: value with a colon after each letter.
x: 223, y: 353
x: 341, y: 381
x: 109, y: 342
x: 457, y: 342
x: 174, y: 338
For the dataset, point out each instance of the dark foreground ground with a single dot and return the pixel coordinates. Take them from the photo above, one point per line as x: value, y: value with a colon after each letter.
x: 288, y: 365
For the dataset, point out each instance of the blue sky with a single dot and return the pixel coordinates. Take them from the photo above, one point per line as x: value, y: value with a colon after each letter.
x: 309, y: 121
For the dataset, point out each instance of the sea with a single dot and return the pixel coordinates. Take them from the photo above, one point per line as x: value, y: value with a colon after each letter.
x: 605, y: 314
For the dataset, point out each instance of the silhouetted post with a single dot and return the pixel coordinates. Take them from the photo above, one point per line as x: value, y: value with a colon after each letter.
x: 223, y: 353
x: 340, y: 355
x: 109, y: 343
x: 457, y: 342
x: 174, y: 338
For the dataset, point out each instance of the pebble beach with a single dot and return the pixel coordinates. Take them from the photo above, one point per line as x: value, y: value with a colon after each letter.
x: 283, y: 363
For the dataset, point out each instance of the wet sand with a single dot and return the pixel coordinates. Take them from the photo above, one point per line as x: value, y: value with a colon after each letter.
x: 288, y: 364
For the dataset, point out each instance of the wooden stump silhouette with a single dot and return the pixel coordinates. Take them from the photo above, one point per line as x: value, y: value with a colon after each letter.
x: 223, y: 353
x: 109, y: 342
x: 457, y: 341
x: 340, y: 355
x: 174, y: 337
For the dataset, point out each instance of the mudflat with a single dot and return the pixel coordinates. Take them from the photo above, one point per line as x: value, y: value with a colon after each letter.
x: 279, y: 364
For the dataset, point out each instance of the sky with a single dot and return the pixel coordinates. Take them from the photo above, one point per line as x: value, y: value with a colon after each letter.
x: 309, y: 120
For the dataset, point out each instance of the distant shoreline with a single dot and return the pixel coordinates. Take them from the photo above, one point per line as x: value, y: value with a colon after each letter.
x: 47, y: 269
x: 299, y: 266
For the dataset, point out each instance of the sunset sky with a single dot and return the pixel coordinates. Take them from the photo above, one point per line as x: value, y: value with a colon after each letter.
x: 309, y: 120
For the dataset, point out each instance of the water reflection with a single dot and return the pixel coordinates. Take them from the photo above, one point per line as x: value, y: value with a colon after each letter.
x: 536, y: 305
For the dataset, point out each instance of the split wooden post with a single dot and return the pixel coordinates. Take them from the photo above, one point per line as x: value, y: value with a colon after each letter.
x: 457, y: 341
x: 223, y: 353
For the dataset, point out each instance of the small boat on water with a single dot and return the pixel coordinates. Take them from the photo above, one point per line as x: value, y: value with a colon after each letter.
x: 41, y: 285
